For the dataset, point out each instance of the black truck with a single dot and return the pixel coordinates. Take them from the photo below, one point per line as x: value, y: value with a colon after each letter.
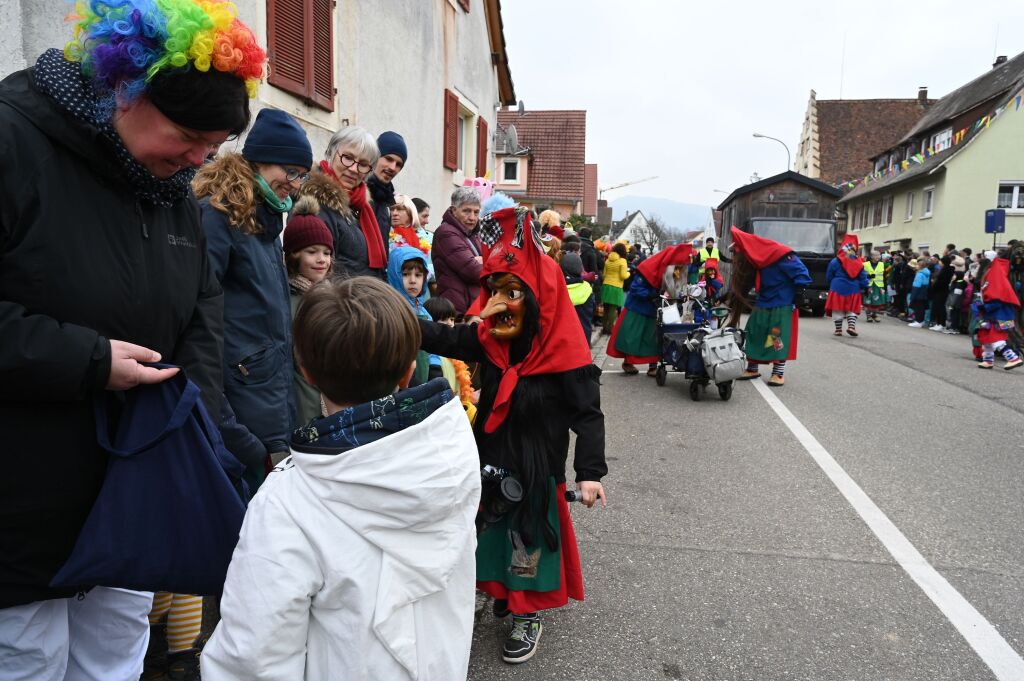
x: 794, y: 210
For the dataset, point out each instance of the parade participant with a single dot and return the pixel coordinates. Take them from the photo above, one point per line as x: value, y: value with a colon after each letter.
x: 713, y: 286
x: 538, y: 383
x: 308, y: 256
x: 997, y: 315
x: 105, y: 268
x: 635, y: 337
x: 243, y: 199
x: 779, y: 277
x: 356, y: 558
x: 847, y: 282
x: 616, y: 272
x: 338, y: 184
x: 380, y: 183
x: 877, y: 297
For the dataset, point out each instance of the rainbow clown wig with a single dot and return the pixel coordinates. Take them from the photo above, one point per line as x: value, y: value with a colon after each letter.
x: 125, y: 45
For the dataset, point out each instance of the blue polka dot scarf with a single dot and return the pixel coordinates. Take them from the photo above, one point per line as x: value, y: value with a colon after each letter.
x: 64, y: 82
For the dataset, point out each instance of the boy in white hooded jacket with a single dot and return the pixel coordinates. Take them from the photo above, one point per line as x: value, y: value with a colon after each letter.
x: 356, y: 558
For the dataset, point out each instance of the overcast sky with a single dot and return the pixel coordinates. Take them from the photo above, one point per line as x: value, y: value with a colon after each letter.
x: 676, y: 89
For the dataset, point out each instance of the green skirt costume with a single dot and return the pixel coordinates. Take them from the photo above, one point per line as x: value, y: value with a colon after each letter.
x: 771, y: 334
x: 876, y: 297
x: 637, y: 336
x: 613, y: 295
x: 502, y: 557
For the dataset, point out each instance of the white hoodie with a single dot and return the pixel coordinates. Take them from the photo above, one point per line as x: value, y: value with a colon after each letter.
x: 358, y: 565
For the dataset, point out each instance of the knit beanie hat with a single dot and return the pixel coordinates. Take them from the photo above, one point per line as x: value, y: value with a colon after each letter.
x: 305, y: 228
x: 276, y: 137
x: 572, y: 265
x: 392, y: 143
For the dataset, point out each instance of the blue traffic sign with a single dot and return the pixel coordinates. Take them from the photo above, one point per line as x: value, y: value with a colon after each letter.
x: 995, y: 221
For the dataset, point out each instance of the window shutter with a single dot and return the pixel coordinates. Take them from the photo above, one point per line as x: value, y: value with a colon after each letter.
x: 464, y: 4
x: 451, y: 130
x: 481, y: 146
x: 322, y: 81
x: 286, y: 20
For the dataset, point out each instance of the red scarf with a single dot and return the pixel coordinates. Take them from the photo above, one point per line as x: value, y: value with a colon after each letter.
x: 409, y: 235
x: 375, y: 250
x: 559, y: 344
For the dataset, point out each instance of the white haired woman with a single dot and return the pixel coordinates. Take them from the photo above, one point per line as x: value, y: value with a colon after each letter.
x: 339, y: 186
x: 457, y: 252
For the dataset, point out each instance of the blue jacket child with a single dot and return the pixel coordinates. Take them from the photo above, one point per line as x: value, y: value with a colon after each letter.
x: 427, y: 366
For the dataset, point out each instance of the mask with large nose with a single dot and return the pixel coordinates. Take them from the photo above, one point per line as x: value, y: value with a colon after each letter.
x: 506, y: 305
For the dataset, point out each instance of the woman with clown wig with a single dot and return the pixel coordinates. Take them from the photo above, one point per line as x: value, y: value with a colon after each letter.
x: 105, y: 269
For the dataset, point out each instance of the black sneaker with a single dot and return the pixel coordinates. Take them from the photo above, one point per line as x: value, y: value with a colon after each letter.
x: 154, y: 666
x: 521, y: 644
x: 500, y: 608
x: 183, y: 666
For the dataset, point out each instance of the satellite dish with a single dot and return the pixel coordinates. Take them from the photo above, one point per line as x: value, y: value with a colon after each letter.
x: 511, y: 139
x: 522, y: 107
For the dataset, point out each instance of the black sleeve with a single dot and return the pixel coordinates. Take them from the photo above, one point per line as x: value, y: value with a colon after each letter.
x: 722, y: 257
x: 583, y: 396
x: 459, y: 342
x: 200, y: 348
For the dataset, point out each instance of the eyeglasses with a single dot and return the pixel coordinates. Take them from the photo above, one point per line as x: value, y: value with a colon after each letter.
x: 348, y: 161
x: 292, y: 174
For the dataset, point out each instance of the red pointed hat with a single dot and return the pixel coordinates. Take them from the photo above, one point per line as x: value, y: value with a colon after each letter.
x: 653, y: 268
x: 849, y: 257
x: 758, y: 250
x: 996, y: 286
x: 511, y: 246
x: 712, y: 264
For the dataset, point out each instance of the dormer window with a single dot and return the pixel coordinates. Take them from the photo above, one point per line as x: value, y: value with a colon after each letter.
x: 942, y: 140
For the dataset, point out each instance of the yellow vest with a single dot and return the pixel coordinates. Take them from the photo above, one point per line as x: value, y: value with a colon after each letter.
x: 876, y: 273
x: 704, y: 256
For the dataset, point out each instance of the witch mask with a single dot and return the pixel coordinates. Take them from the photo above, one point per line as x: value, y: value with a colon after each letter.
x: 506, y: 305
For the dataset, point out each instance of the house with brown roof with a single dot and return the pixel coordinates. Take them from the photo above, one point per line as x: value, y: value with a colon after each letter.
x: 963, y: 157
x: 841, y: 136
x: 540, y: 158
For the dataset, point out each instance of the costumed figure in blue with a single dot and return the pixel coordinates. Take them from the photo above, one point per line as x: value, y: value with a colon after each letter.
x: 847, y: 283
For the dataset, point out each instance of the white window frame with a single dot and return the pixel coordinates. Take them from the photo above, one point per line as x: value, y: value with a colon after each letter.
x: 927, y: 202
x: 505, y: 163
x: 908, y: 213
x: 1015, y: 197
x: 942, y: 140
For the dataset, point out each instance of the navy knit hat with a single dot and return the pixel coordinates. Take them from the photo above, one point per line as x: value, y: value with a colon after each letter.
x: 392, y: 143
x: 276, y: 137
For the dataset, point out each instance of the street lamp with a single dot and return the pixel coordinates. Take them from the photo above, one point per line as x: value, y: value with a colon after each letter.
x: 788, y: 158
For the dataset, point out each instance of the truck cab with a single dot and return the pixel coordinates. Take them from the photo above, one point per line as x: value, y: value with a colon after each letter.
x: 813, y: 241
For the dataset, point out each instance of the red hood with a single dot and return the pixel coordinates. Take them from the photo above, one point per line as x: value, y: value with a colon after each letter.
x: 653, y: 268
x: 996, y: 286
x: 851, y: 261
x: 510, y: 245
x: 759, y: 251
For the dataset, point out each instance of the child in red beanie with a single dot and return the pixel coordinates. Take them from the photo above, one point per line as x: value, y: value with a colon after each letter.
x: 309, y: 257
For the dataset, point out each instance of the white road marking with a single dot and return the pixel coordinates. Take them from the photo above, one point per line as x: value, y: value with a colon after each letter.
x: 992, y: 648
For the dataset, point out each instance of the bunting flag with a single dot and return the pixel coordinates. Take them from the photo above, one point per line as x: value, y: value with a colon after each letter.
x: 958, y: 138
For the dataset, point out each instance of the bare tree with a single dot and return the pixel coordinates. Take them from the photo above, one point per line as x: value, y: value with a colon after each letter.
x: 651, y: 236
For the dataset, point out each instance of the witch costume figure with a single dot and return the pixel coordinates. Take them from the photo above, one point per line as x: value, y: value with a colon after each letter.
x: 779, y: 278
x: 537, y: 383
x: 997, y: 316
x: 635, y: 336
x: 847, y: 283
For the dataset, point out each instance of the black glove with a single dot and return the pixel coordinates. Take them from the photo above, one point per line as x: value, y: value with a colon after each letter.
x: 798, y: 295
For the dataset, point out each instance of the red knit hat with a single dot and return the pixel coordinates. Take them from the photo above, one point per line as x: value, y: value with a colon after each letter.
x: 305, y: 228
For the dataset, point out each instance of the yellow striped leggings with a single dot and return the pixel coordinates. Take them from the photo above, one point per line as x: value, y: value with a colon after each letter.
x: 184, y: 618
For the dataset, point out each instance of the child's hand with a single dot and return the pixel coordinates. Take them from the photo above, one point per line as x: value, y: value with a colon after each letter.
x: 592, y: 491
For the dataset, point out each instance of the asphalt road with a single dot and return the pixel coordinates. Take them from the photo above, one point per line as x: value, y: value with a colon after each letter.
x: 726, y: 553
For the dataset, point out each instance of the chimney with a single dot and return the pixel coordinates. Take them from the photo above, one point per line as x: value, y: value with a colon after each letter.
x: 1000, y: 60
x: 922, y: 95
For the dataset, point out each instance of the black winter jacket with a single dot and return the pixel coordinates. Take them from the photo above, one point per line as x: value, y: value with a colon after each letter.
x: 82, y: 260
x: 259, y: 409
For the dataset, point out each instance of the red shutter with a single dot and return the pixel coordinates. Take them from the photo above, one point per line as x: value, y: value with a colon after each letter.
x: 322, y: 71
x: 481, y: 146
x: 286, y: 21
x: 300, y: 47
x: 451, y: 130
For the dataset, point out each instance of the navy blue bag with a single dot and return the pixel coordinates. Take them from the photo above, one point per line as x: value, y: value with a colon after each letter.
x: 167, y: 517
